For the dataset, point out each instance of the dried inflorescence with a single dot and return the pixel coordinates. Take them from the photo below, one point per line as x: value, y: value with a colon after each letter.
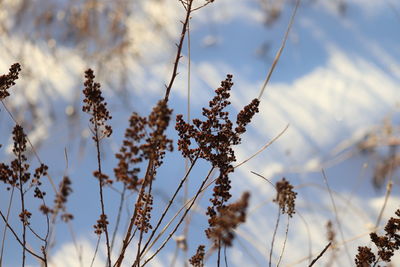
x: 36, y: 182
x: 215, y: 137
x: 227, y: 221
x: 17, y: 173
x: 285, y: 197
x: 145, y: 139
x: 95, y: 105
x: 102, y: 177
x: 8, y: 80
x: 365, y: 257
x: 143, y: 212
x: 25, y: 217
x: 60, y: 201
x: 387, y: 244
x: 197, y: 260
x: 101, y: 225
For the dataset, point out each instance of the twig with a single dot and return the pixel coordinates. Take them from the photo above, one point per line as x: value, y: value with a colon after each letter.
x: 97, y: 141
x: 23, y: 219
x: 5, y: 226
x: 284, y: 242
x: 128, y: 235
x: 226, y: 261
x: 169, y: 205
x: 320, y: 255
x: 118, y: 220
x: 137, y: 261
x: 273, y: 237
x: 264, y: 147
x: 95, y: 251
x: 186, y: 189
x: 181, y: 220
x: 19, y: 240
x: 178, y: 53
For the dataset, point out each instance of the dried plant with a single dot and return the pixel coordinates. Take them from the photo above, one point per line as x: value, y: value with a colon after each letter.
x: 228, y: 219
x: 211, y: 139
x: 96, y: 107
x: 214, y: 138
x: 387, y: 244
x: 198, y: 259
x: 17, y: 176
x: 285, y: 197
x: 8, y: 80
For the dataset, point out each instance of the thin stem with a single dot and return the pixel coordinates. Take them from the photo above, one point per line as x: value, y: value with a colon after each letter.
x: 219, y: 253
x: 337, y: 216
x: 95, y: 251
x: 137, y: 261
x: 186, y: 191
x: 264, y: 147
x: 284, y: 242
x: 273, y: 237
x: 188, y: 8
x: 169, y: 204
x: 278, y: 54
x: 320, y: 255
x: 19, y: 240
x: 5, y: 226
x: 23, y: 218
x: 73, y: 236
x: 182, y: 218
x: 101, y: 192
x: 128, y: 236
x: 117, y: 223
x: 226, y: 261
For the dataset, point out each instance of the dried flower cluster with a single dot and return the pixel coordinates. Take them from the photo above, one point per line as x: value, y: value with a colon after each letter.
x: 143, y: 209
x: 101, y: 225
x: 145, y: 139
x: 285, y: 197
x: 25, y: 216
x: 95, y: 106
x: 64, y: 191
x: 197, y: 260
x: 227, y: 221
x: 60, y: 201
x: 17, y: 173
x: 365, y: 257
x: 215, y: 137
x: 8, y: 80
x: 387, y: 244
